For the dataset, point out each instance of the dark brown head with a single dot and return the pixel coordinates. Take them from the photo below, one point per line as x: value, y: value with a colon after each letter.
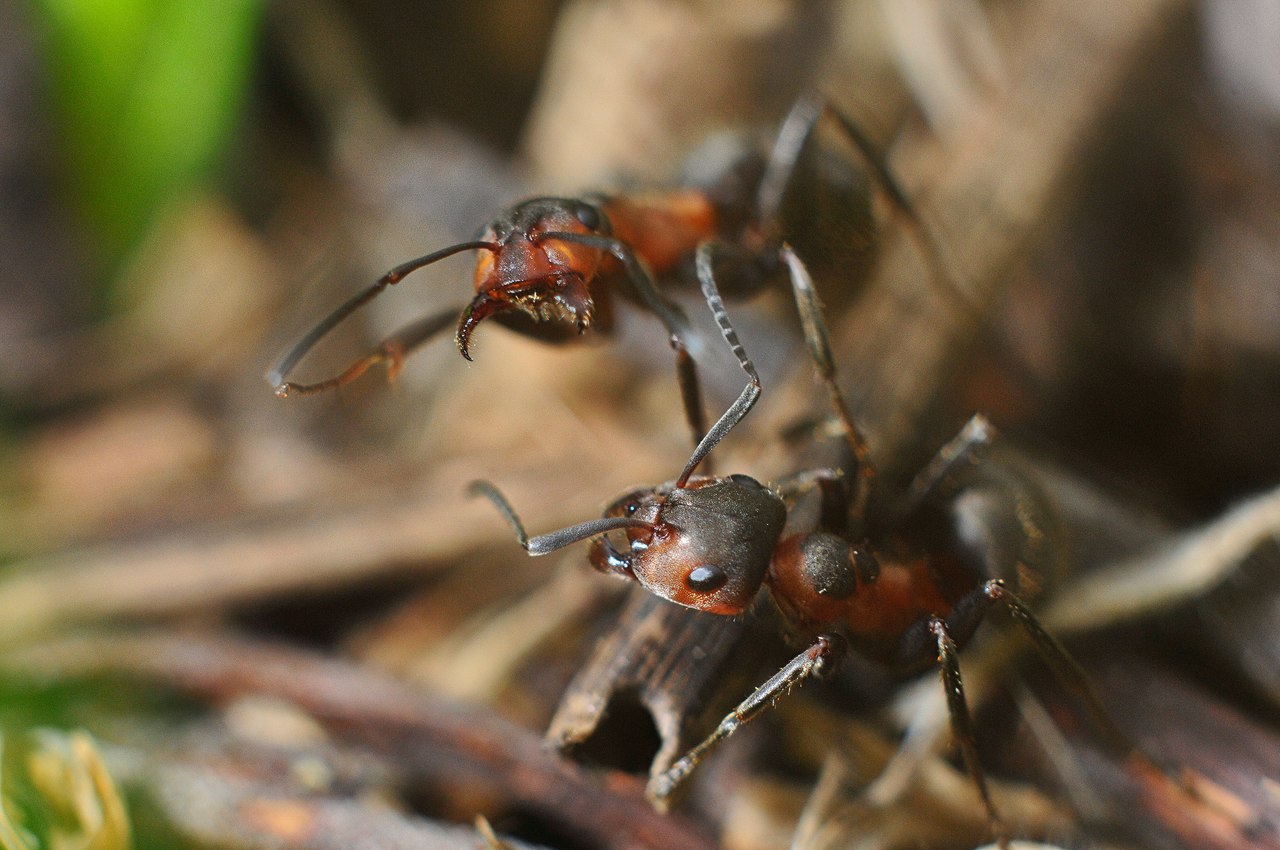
x: 535, y: 268
x: 707, y: 545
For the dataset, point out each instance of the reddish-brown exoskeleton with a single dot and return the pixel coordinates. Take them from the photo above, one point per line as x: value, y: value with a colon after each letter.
x: 551, y: 267
x: 904, y: 590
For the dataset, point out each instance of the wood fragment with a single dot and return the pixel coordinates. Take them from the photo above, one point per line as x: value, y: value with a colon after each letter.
x: 217, y: 806
x: 1223, y: 756
x: 659, y: 656
x: 1161, y: 577
x: 433, y: 740
x: 999, y: 186
x: 632, y: 85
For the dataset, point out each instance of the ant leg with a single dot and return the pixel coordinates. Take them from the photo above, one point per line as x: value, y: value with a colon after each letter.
x: 788, y: 146
x: 944, y: 282
x: 833, y: 510
x: 750, y: 393
x: 940, y: 478
x: 793, y: 135
x: 962, y: 723
x: 819, y: 342
x: 1014, y: 528
x: 1064, y: 667
x: 667, y: 311
x: 277, y: 373
x: 391, y: 351
x: 959, y: 626
x: 818, y: 660
x: 1074, y: 678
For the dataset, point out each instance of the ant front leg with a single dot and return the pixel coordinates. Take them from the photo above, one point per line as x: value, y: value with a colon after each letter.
x: 667, y: 311
x: 818, y: 660
x: 703, y: 260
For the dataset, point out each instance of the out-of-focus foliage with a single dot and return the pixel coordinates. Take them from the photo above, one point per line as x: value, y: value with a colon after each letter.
x: 68, y: 799
x: 146, y: 92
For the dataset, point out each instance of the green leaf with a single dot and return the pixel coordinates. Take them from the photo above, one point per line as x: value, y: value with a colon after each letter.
x: 146, y: 93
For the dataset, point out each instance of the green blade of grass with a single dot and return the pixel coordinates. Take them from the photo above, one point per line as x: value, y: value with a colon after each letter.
x: 147, y: 93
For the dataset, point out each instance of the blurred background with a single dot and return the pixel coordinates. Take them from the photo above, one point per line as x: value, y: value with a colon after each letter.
x: 188, y: 187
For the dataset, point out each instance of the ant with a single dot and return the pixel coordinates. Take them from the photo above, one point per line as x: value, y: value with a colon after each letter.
x: 548, y: 266
x: 906, y: 590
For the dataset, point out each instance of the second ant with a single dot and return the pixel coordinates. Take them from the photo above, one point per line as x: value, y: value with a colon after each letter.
x: 551, y: 267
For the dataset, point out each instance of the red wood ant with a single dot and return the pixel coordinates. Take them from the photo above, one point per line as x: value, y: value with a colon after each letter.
x: 548, y: 266
x: 905, y: 590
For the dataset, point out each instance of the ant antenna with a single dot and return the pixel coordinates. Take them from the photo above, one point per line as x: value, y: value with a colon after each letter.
x: 544, y: 544
x: 277, y: 373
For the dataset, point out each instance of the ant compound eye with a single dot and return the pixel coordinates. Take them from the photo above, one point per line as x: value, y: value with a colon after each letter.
x: 589, y: 216
x: 706, y: 578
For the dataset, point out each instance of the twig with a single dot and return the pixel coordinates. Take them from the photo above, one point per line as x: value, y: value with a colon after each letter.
x: 431, y: 739
x: 999, y: 188
x: 632, y: 85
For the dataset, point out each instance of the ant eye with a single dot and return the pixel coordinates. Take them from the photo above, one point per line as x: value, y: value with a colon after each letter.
x: 631, y: 508
x: 589, y: 216
x: 706, y: 578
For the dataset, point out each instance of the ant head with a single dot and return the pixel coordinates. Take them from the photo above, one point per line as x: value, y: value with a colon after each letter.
x: 709, y: 543
x: 537, y: 267
x: 562, y: 215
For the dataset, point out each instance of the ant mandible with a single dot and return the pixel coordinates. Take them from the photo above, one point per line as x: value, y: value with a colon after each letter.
x: 548, y: 266
x: 906, y: 590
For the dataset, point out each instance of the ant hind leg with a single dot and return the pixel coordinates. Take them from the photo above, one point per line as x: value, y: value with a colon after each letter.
x: 789, y: 144
x: 1064, y: 667
x: 957, y: 628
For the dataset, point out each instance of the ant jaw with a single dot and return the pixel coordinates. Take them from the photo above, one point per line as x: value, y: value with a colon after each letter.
x: 481, y: 307
x: 562, y: 298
